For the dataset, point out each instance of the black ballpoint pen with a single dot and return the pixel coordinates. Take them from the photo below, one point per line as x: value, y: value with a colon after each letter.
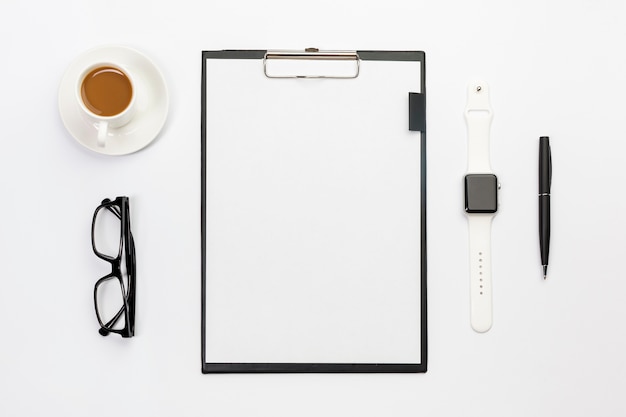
x: 545, y: 181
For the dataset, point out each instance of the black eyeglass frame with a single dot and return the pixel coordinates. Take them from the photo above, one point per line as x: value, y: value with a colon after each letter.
x: 120, y: 207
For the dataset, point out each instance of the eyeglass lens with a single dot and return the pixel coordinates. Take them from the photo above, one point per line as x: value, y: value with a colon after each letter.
x: 107, y: 232
x: 110, y: 303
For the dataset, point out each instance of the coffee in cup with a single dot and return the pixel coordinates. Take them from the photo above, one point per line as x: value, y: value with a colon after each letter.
x: 106, y: 95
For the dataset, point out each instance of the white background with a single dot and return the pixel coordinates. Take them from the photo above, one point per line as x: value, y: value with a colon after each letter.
x: 556, y: 348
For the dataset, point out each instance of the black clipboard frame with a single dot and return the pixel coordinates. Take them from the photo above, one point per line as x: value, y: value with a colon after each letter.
x: 417, y: 122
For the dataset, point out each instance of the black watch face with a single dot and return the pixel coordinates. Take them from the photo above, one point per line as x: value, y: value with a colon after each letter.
x: 481, y: 193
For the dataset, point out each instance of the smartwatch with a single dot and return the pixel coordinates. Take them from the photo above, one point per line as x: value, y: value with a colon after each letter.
x: 481, y: 204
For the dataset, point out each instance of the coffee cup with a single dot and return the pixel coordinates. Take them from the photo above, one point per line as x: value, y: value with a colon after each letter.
x: 106, y: 95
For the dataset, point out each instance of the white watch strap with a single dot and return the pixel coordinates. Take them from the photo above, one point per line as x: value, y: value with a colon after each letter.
x: 480, y: 271
x: 478, y: 115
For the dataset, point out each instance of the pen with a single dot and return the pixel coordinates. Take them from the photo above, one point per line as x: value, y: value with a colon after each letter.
x: 545, y: 181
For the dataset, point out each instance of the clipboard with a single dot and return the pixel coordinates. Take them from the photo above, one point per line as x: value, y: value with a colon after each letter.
x: 313, y: 211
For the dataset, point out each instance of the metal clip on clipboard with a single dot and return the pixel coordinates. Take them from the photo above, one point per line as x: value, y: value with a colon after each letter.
x: 325, y: 64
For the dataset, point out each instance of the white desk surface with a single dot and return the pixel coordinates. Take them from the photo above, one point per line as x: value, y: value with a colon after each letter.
x: 556, y: 347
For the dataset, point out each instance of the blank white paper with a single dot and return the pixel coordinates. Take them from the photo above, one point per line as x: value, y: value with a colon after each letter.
x: 312, y: 216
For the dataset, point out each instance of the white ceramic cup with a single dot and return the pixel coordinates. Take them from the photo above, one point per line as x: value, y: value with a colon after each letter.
x: 104, y: 123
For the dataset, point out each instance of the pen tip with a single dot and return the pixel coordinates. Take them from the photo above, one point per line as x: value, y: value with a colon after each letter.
x: 545, y: 271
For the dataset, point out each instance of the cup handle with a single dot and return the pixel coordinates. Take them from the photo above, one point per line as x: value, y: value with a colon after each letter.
x: 103, y: 128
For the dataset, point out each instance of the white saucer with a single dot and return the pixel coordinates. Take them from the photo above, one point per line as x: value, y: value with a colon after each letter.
x: 151, y: 96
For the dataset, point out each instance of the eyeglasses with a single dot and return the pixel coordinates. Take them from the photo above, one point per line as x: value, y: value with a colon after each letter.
x: 112, y: 241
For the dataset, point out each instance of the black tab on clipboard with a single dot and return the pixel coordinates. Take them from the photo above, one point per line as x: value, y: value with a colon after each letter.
x: 417, y: 112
